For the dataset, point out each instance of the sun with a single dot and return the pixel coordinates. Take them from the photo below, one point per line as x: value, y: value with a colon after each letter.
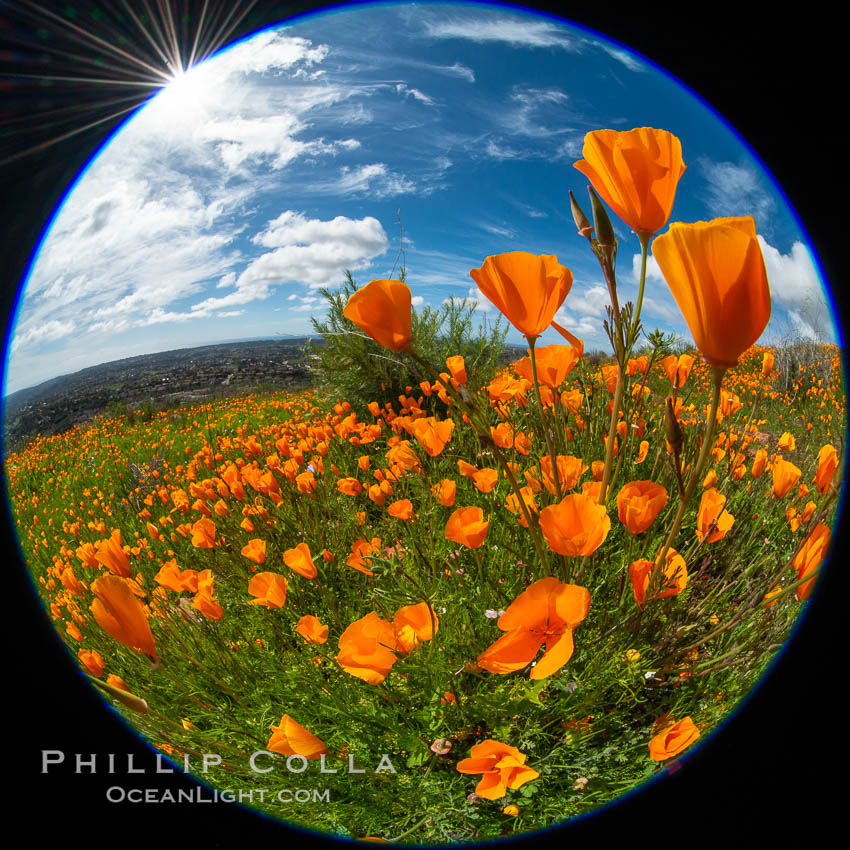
x: 187, y: 93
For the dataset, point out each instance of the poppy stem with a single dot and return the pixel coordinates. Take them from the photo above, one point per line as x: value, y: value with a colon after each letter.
x: 532, y: 341
x: 612, y: 433
x: 696, y: 472
x: 644, y: 250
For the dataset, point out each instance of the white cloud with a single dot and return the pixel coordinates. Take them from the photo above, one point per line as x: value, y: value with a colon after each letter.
x: 508, y: 30
x: 795, y: 285
x: 623, y: 56
x: 309, y: 252
x: 374, y: 179
x: 416, y: 301
x: 406, y: 92
x: 46, y: 332
x: 734, y: 190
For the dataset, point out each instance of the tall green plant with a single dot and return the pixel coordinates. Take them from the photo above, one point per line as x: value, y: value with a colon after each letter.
x: 349, y: 365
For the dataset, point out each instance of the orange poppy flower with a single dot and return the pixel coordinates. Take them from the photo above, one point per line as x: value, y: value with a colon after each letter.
x: 643, y: 451
x: 827, y: 464
x: 300, y: 560
x: 120, y: 614
x: 203, y: 534
x: 207, y: 605
x: 485, y: 480
x: 255, y: 550
x: 292, y: 739
x: 413, y: 624
x: 570, y: 469
x: 710, y: 508
x: 92, y: 660
x: 173, y: 578
x: 527, y: 289
x: 349, y: 486
x: 810, y: 557
x: 382, y: 310
x: 111, y: 554
x: 311, y: 629
x: 639, y: 503
x: 673, y: 740
x: 366, y: 649
x: 677, y: 369
x: 467, y: 527
x: 785, y: 477
x: 759, y: 462
x: 457, y: 367
x: 513, y: 505
x: 362, y: 549
x: 401, y: 509
x: 635, y: 172
x: 673, y: 582
x: 767, y: 364
x: 433, y: 433
x: 577, y: 525
x: 544, y: 613
x: 554, y: 363
x: 716, y: 273
x: 445, y: 491
x: 787, y: 443
x: 502, y: 767
x: 270, y: 590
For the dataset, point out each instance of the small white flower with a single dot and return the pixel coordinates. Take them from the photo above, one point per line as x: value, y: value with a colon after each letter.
x: 650, y: 674
x: 490, y: 614
x: 571, y: 687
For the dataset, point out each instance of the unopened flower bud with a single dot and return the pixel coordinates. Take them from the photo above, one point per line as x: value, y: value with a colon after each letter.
x: 584, y: 227
x: 601, y: 223
x: 672, y: 429
x: 125, y: 697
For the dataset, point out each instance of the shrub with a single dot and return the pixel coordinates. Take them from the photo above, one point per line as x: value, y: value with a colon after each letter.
x: 349, y: 365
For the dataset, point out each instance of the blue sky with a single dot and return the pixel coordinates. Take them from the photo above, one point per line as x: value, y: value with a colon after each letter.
x: 219, y: 210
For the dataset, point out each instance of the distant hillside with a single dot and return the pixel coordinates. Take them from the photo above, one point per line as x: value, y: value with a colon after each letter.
x: 150, y: 381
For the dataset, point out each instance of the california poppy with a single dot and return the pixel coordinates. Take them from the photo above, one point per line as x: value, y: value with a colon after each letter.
x: 413, y: 624
x: 554, y: 363
x: 503, y: 767
x: 111, y: 554
x: 577, y: 525
x: 810, y: 557
x: 203, y: 534
x: 362, y: 549
x: 291, y: 739
x: 827, y: 464
x: 636, y: 173
x: 544, y: 613
x: 382, y: 310
x: 445, y: 492
x: 366, y: 649
x: 528, y: 289
x: 678, y: 368
x: 120, y: 614
x: 92, y: 660
x: 711, y: 511
x: 673, y: 740
x: 269, y: 590
x: 300, y: 560
x: 255, y: 550
x: 717, y: 275
x: 433, y: 433
x: 673, y: 581
x: 785, y: 477
x: 311, y: 629
x: 467, y: 527
x: 401, y: 509
x: 639, y: 503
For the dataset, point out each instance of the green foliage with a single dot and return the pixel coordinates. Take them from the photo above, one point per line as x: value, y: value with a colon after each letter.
x: 349, y: 365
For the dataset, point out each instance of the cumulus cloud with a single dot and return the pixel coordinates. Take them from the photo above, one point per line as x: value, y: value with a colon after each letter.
x: 795, y: 286
x: 305, y: 251
x: 474, y: 298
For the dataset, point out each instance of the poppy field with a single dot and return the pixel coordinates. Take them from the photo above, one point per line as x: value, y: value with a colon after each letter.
x: 478, y: 604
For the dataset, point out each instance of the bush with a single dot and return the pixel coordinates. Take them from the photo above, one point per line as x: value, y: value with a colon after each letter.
x: 349, y: 365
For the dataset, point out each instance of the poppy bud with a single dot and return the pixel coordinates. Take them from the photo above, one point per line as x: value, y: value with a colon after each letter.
x: 601, y: 222
x: 584, y: 227
x: 672, y: 429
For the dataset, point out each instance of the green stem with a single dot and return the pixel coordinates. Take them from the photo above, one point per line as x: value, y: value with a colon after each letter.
x: 696, y: 473
x: 644, y: 250
x: 546, y: 435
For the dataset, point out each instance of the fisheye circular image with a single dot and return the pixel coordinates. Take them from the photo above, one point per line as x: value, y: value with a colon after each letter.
x: 424, y: 423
